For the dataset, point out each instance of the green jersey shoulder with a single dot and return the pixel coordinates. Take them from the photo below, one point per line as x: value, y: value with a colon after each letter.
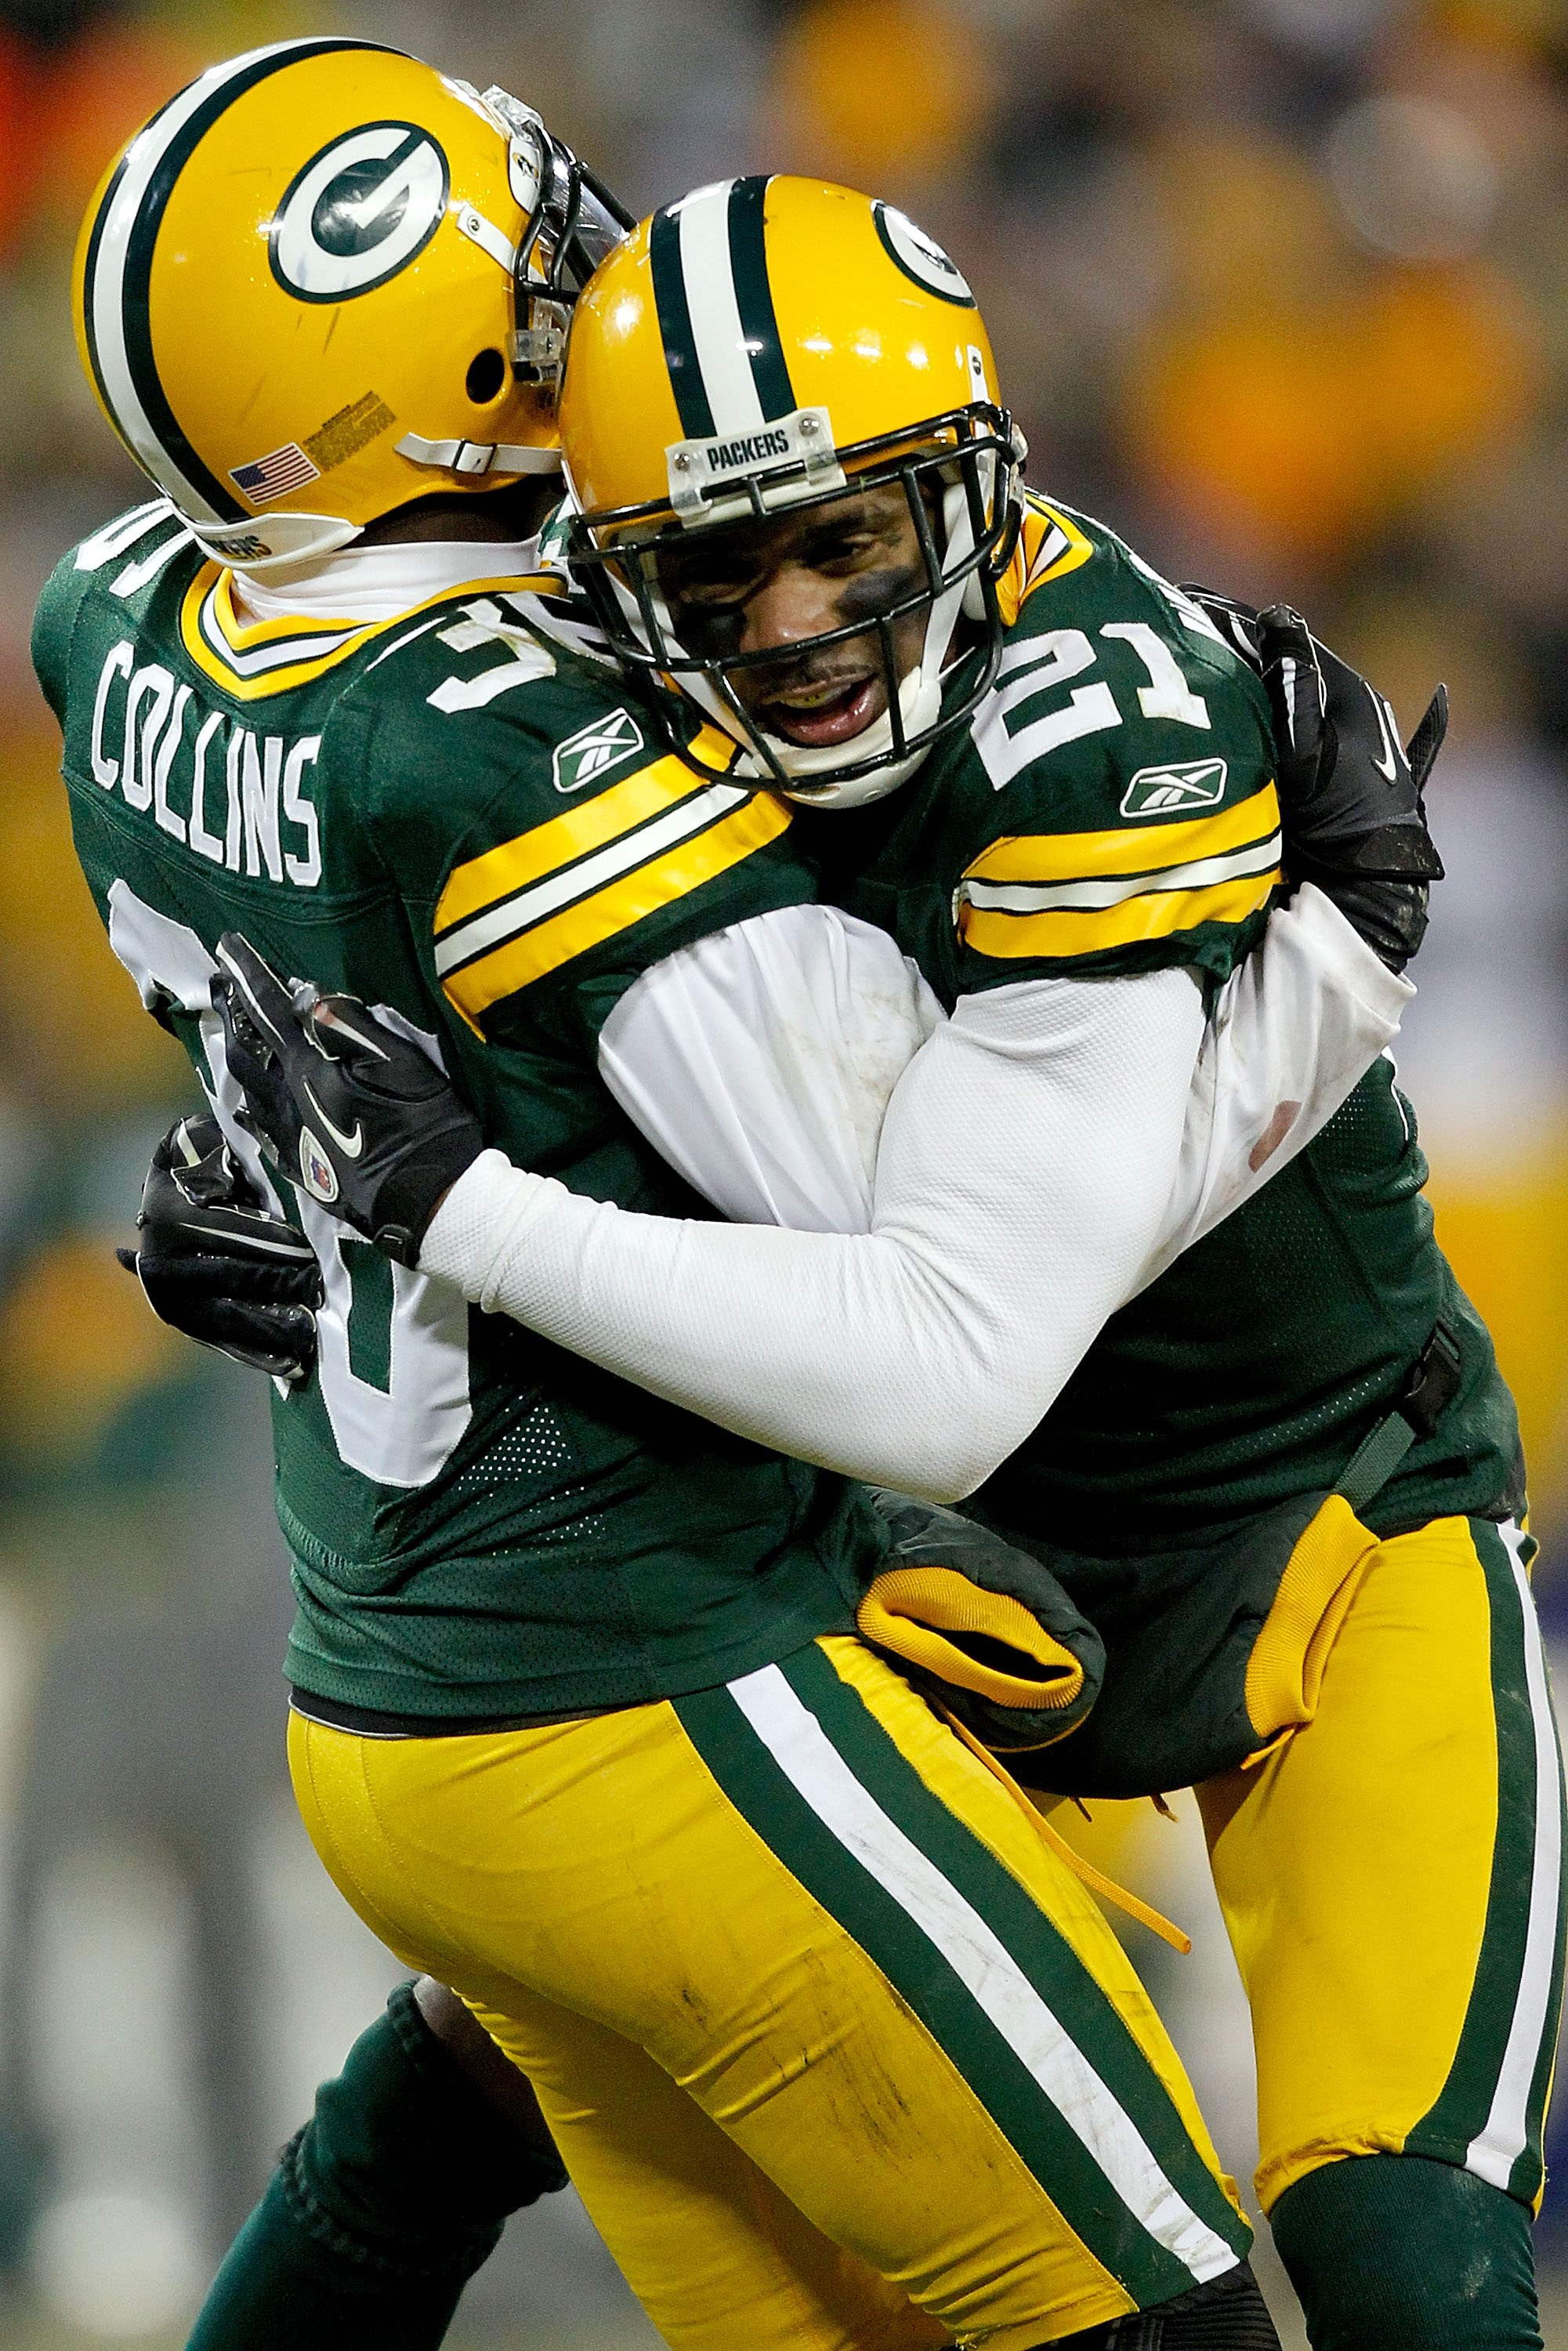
x: 549, y: 841
x: 1112, y: 807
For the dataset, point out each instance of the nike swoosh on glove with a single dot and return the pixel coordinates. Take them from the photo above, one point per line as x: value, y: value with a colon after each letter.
x: 361, y: 1118
x: 215, y: 1261
x: 1350, y: 798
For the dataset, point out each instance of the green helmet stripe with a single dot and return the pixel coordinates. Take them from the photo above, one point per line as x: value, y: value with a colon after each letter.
x: 754, y: 297
x: 116, y: 289
x: 675, y: 326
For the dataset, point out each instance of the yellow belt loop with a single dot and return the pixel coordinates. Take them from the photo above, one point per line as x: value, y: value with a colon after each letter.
x: 1094, y: 1879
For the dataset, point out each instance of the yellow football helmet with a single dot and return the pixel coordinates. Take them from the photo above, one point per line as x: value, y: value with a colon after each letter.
x: 324, y: 281
x: 769, y: 343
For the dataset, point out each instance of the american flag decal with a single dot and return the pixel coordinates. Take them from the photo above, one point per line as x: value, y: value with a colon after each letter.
x: 274, y: 475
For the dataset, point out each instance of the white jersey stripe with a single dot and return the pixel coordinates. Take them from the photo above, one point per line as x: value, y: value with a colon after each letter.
x: 107, y: 292
x: 1046, y: 897
x: 722, y: 358
x: 503, y: 922
x: 982, y: 1962
x: 1493, y: 2153
x: 278, y: 653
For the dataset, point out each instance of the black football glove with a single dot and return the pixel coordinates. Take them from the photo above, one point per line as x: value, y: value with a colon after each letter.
x: 360, y: 1117
x: 216, y: 1263
x: 1350, y: 798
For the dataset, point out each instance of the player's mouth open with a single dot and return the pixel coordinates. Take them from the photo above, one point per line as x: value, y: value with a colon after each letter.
x: 825, y: 710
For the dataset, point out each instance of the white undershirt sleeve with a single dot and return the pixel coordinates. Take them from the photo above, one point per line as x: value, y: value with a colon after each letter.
x: 1294, y: 1028
x: 760, y: 1061
x: 1025, y: 1164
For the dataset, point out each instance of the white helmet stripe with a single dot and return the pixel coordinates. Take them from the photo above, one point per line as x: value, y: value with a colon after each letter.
x: 723, y: 359
x: 165, y: 455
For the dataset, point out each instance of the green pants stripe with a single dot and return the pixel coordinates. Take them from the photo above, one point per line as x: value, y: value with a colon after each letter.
x: 1491, y: 2113
x: 1005, y: 1997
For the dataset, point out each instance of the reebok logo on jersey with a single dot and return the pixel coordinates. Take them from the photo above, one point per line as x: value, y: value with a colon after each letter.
x: 1156, y: 792
x: 594, y: 750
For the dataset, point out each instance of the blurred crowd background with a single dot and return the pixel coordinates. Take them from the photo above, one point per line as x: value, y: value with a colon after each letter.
x: 1280, y: 288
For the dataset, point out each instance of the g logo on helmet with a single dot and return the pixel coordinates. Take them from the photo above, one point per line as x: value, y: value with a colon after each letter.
x: 920, y: 256
x: 363, y: 207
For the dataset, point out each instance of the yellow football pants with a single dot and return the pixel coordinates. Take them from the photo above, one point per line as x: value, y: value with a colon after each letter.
x: 837, y: 2050
x: 1392, y: 1880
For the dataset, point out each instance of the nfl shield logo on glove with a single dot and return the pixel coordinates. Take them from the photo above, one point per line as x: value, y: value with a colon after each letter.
x: 321, y: 1180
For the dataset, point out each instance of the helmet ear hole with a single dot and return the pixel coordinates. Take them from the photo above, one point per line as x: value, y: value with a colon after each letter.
x: 486, y: 375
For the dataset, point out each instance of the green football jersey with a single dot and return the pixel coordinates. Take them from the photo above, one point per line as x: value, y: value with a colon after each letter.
x: 1111, y: 810
x: 459, y: 816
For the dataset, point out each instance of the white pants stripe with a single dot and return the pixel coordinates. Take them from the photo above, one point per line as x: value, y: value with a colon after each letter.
x: 1495, y: 2150
x: 802, y: 1749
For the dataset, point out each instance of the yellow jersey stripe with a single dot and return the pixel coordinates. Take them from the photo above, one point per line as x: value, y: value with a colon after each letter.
x: 235, y: 655
x: 1153, y: 916
x: 1130, y: 849
x: 247, y: 636
x: 495, y: 924
x: 624, y: 902
x: 1113, y: 890
x: 1050, y: 546
x: 586, y: 826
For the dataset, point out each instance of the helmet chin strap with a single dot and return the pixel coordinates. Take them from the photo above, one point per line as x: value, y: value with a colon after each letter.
x: 919, y: 705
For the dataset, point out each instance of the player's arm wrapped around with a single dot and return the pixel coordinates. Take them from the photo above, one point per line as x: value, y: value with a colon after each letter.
x: 982, y: 1626
x: 218, y: 1263
x: 358, y: 1115
x: 1351, y: 799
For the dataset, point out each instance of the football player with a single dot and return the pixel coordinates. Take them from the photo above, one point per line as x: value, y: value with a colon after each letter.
x: 1281, y: 1475
x: 386, y: 184
x: 314, y: 688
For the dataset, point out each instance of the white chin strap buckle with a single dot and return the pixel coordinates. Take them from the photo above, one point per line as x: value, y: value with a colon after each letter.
x: 471, y: 458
